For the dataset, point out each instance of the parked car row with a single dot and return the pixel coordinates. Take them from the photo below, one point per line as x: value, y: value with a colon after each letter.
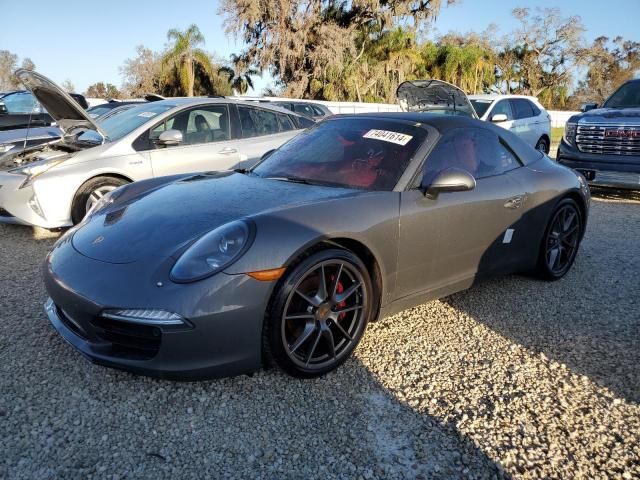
x: 57, y: 185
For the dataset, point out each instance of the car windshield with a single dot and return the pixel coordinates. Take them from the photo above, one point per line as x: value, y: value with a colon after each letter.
x: 364, y: 153
x: 628, y: 95
x: 481, y: 106
x: 117, y: 126
x: 97, y: 111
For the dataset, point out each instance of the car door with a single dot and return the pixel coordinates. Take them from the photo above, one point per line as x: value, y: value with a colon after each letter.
x: 23, y: 110
x: 524, y: 120
x: 262, y: 130
x: 206, y: 144
x: 447, y: 241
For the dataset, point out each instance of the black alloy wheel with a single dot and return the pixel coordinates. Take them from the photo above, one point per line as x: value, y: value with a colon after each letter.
x: 319, y: 313
x: 561, y: 241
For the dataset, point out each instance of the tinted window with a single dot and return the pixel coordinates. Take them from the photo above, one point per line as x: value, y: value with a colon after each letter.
x: 481, y: 106
x: 305, y: 122
x: 284, y: 123
x: 21, y: 103
x: 534, y: 107
x: 256, y: 122
x: 503, y: 106
x: 347, y: 152
x: 475, y: 150
x: 317, y: 111
x: 521, y: 108
x: 303, y: 109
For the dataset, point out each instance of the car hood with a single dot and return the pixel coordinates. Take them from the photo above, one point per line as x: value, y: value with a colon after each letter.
x: 622, y: 116
x: 151, y: 219
x: 430, y: 95
x: 62, y: 108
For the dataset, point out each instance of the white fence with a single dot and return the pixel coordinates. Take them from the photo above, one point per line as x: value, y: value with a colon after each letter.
x: 559, y: 118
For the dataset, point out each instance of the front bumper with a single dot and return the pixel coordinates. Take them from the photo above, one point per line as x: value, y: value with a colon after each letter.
x: 23, y: 206
x: 615, y: 171
x: 224, y: 315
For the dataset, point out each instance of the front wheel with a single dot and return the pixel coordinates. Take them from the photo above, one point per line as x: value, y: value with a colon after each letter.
x: 543, y: 145
x: 319, y: 314
x: 90, y: 193
x: 561, y: 241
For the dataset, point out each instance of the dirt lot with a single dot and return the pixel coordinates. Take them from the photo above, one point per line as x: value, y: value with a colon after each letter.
x: 514, y: 378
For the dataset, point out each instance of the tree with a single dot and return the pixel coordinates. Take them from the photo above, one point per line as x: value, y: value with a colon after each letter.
x: 142, y: 74
x: 184, y: 57
x: 8, y: 62
x: 102, y: 90
x: 310, y: 46
x: 610, y: 64
x: 239, y: 74
x: 539, y: 57
x: 67, y: 86
x: 28, y: 64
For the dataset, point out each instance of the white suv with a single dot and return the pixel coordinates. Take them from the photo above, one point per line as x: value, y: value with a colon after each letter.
x: 522, y: 115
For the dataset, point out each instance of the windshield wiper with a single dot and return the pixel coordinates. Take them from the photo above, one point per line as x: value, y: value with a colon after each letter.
x: 290, y: 179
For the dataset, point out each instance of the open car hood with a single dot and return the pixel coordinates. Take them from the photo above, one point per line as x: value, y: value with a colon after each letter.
x: 60, y: 105
x: 433, y: 96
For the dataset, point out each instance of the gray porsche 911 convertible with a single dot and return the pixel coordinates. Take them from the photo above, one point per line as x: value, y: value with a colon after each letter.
x: 361, y: 216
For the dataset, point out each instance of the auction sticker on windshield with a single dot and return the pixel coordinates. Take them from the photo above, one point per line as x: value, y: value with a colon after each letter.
x: 147, y: 114
x: 388, y: 136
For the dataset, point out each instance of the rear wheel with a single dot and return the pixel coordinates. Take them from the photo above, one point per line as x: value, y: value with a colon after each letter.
x: 561, y: 241
x: 90, y: 193
x: 543, y: 145
x: 319, y: 314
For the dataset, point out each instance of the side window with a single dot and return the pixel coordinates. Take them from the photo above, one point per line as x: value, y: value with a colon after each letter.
x: 304, y: 122
x: 256, y: 122
x: 284, y: 123
x: 21, y: 103
x: 504, y: 107
x: 303, y: 109
x: 163, y: 127
x: 475, y: 150
x: 317, y: 111
x: 199, y: 125
x: 534, y: 107
x: 521, y: 108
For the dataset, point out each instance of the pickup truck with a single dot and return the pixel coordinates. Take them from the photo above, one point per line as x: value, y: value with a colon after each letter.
x: 603, y: 143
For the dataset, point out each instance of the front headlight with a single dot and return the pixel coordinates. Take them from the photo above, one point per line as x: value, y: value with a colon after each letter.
x: 570, y: 130
x: 6, y: 147
x: 214, y: 251
x: 32, y: 170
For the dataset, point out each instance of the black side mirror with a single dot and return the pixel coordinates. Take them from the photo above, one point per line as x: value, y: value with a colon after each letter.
x: 3, y: 108
x: 449, y: 180
x: 588, y: 106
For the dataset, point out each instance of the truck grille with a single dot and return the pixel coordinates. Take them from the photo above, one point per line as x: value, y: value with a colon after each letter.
x: 609, y: 139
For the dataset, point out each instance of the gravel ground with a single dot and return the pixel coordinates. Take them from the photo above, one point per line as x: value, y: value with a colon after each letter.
x: 514, y: 378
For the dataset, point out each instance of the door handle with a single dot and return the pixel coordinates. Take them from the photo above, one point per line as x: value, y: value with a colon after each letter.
x: 228, y: 151
x: 515, y: 202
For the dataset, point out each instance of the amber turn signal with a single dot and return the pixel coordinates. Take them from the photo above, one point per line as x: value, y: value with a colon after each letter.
x: 267, y: 275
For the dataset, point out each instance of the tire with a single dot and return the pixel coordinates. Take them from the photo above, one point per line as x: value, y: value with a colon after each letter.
x: 543, y: 145
x: 90, y: 192
x: 561, y: 240
x: 309, y: 332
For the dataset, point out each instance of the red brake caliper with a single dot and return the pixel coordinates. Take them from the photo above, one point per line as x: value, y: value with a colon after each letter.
x: 340, y: 289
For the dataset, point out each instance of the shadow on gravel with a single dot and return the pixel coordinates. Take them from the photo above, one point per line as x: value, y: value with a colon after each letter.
x: 589, y: 320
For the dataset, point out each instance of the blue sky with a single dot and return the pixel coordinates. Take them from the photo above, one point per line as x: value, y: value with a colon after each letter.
x: 87, y: 42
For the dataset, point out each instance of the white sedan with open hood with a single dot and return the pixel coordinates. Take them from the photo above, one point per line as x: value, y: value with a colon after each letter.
x: 57, y: 185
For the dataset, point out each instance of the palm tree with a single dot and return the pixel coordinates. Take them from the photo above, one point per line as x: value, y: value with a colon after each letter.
x: 183, y: 55
x: 239, y: 75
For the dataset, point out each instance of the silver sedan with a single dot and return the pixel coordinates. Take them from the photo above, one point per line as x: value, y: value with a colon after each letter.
x: 56, y: 186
